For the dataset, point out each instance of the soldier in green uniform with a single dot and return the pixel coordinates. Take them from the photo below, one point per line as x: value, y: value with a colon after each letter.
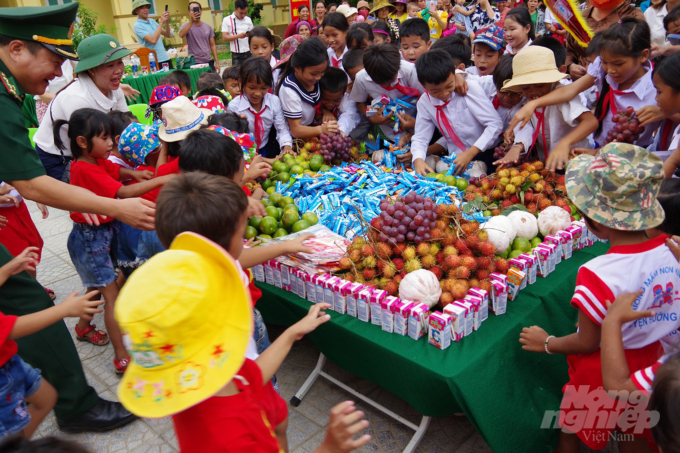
x: 34, y: 41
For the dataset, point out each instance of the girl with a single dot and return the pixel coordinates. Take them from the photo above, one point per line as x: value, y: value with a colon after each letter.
x: 262, y: 44
x: 262, y: 108
x: 519, y: 30
x: 335, y: 28
x: 303, y: 28
x: 668, y: 99
x: 331, y: 8
x: 381, y: 33
x: 359, y: 36
x: 400, y: 13
x: 622, y: 74
x: 537, y: 17
x: 298, y: 88
x: 89, y: 132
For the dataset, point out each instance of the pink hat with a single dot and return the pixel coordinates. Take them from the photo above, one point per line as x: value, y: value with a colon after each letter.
x: 287, y: 48
x: 210, y: 102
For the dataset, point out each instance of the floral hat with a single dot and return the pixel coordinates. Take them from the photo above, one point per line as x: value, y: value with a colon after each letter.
x: 138, y: 141
x: 287, y: 48
x: 246, y: 141
x: 493, y: 36
x: 210, y: 102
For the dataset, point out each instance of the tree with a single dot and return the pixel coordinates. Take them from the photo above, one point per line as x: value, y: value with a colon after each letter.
x: 86, y: 25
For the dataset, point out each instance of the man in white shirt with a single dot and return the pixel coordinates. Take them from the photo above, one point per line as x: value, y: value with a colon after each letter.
x: 235, y: 29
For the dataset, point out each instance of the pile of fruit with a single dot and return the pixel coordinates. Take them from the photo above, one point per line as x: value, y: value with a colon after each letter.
x: 283, y: 217
x: 336, y: 148
x: 627, y: 127
x: 405, y: 218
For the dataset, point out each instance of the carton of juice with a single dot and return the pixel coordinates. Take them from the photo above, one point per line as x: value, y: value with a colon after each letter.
x: 532, y: 266
x: 302, y: 283
x: 293, y: 277
x: 543, y: 260
x: 310, y: 283
x: 520, y: 265
x: 476, y: 304
x: 575, y: 231
x: 439, y: 333
x: 498, y: 277
x: 515, y: 278
x: 402, y: 312
x: 567, y: 243
x: 328, y: 293
x: 457, y: 313
x: 484, y: 306
x: 418, y: 320
x: 353, y: 291
x: 319, y: 286
x: 387, y: 311
x: 557, y: 242
x: 469, y: 317
x: 285, y: 277
x: 377, y: 296
x: 258, y: 273
x: 340, y: 296
x: 268, y: 272
x: 276, y: 269
x: 364, y: 304
x: 499, y: 297
x: 553, y: 254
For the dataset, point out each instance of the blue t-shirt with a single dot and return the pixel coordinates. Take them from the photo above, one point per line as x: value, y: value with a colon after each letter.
x: 148, y: 27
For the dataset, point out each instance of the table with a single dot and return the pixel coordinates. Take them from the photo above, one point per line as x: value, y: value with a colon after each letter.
x: 503, y: 390
x: 146, y: 83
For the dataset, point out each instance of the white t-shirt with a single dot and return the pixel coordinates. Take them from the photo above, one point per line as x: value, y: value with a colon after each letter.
x: 522, y: 136
x: 233, y: 26
x: 348, y: 115
x: 675, y: 142
x: 654, y: 18
x: 549, y: 18
x: 510, y: 50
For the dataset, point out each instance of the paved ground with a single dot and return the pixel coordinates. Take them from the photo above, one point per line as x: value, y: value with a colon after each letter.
x: 307, y: 423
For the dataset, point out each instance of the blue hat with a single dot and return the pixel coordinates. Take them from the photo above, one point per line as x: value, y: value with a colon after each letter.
x: 493, y: 36
x: 138, y: 141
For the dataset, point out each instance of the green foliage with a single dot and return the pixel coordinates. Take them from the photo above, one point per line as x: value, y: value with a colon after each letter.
x: 176, y: 22
x: 86, y: 25
x: 254, y: 11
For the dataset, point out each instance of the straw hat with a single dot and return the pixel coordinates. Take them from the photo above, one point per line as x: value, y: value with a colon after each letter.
x: 534, y: 64
x: 180, y: 117
x: 187, y: 332
x: 382, y: 4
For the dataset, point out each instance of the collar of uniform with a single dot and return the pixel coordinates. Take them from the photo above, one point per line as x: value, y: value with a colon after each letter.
x: 7, y: 79
x: 244, y: 103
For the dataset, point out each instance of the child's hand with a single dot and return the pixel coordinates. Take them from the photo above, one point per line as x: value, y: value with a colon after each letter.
x: 252, y: 242
x: 255, y: 207
x: 331, y: 127
x: 558, y: 157
x: 379, y: 118
x: 328, y: 116
x: 621, y: 311
x: 461, y: 85
x: 24, y: 261
x: 404, y: 140
x: 258, y: 193
x: 296, y: 245
x: 533, y: 339
x: 256, y: 170
x: 4, y: 199
x: 649, y: 114
x: 143, y: 175
x: 522, y: 117
x: 579, y: 151
x: 76, y: 306
x: 672, y: 243
x: 3, y: 221
x: 421, y: 167
x: 6, y: 188
x: 288, y: 150
x: 462, y: 160
x: 43, y: 210
x: 309, y: 323
x: 345, y: 421
x: 407, y: 122
x: 130, y: 93
x: 405, y: 158
x: 511, y: 158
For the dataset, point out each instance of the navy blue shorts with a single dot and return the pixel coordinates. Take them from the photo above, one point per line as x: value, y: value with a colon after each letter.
x: 18, y: 381
x: 93, y: 252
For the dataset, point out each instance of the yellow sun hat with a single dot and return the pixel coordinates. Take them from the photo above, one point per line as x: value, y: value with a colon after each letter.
x: 532, y: 65
x: 186, y: 317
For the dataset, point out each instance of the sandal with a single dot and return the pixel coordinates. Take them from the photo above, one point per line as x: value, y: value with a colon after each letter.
x: 50, y: 293
x: 121, y: 365
x: 98, y: 338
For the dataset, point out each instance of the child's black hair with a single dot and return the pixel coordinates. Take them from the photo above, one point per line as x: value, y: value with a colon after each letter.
x: 240, y: 4
x: 557, y: 48
x: 357, y: 37
x: 230, y: 73
x: 120, y: 120
x: 209, y: 80
x: 456, y: 48
x: 173, y: 148
x: 255, y: 70
x: 166, y: 80
x: 382, y: 62
x: 210, y: 152
x: 88, y: 123
x: 434, y: 67
x: 330, y: 5
x: 231, y: 121
x: 522, y: 16
x: 364, y: 26
x: 335, y: 20
x: 668, y: 71
x: 50, y: 444
x: 672, y: 17
x: 333, y: 80
x: 503, y: 71
x: 261, y: 32
x: 594, y: 45
x: 310, y: 52
x: 352, y: 59
x: 629, y: 37
x: 665, y: 401
x: 181, y: 78
x: 669, y: 197
x: 381, y: 27
x: 415, y: 27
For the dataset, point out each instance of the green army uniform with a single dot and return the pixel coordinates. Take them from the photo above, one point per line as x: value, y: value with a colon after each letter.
x: 51, y: 349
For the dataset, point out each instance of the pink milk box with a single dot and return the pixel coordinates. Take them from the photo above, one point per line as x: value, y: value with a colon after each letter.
x: 469, y: 316
x: 377, y: 296
x: 567, y: 243
x: 293, y: 276
x: 557, y: 242
x: 285, y: 277
x: 532, y: 266
x: 268, y: 273
x: 387, y: 310
x: 402, y: 311
x: 439, y: 333
x: 328, y: 294
x: 499, y: 293
x: 302, y: 283
x: 276, y: 269
x: 521, y: 265
x: 418, y: 320
x: 353, y: 291
x: 555, y: 254
x: 258, y: 273
x: 476, y: 303
x: 457, y: 314
x: 364, y: 304
x: 319, y: 286
x: 542, y: 255
x: 576, y: 235
x: 340, y: 296
x: 310, y: 284
x: 483, y: 296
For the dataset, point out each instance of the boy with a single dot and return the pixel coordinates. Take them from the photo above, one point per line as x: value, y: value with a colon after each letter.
x: 469, y: 124
x: 616, y: 193
x: 235, y: 30
x: 461, y: 54
x: 488, y: 47
x: 231, y: 84
x: 189, y: 345
x: 182, y: 81
x: 335, y: 102
x: 558, y: 128
x: 415, y: 39
x: 412, y: 10
x: 352, y: 63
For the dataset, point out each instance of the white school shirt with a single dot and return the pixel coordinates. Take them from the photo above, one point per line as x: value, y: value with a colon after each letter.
x: 486, y: 82
x: 348, y: 115
x: 675, y: 142
x: 509, y: 49
x: 472, y: 117
x: 364, y: 88
x: 641, y: 94
x: 333, y: 60
x: 276, y: 73
x: 523, y: 136
x: 650, y: 267
x: 472, y: 70
x: 549, y: 18
x: 233, y: 26
x: 292, y: 105
x: 272, y: 116
x: 654, y: 18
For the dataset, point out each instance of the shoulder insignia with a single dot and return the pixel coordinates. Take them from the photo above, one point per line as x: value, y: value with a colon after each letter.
x: 11, y: 88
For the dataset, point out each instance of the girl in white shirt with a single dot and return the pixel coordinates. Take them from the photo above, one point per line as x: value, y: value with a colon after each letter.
x: 519, y: 30
x: 335, y: 28
x: 262, y: 44
x: 299, y: 92
x: 668, y: 99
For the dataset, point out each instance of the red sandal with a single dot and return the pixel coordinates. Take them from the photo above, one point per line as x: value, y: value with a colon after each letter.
x: 98, y: 338
x: 121, y: 365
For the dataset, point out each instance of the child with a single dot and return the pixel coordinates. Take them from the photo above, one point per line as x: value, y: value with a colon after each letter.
x: 469, y: 124
x: 436, y: 21
x: 382, y: 11
x: 262, y: 44
x: 211, y: 84
x: 352, y: 63
x: 320, y: 32
x: 622, y: 176
x: 335, y: 28
x: 415, y: 39
x: 412, y: 9
x: 230, y: 387
x: 335, y: 102
x: 487, y: 48
x: 460, y: 16
x: 231, y: 84
x: 299, y: 91
x: 182, y: 81
x: 262, y: 108
x: 519, y: 30
x: 21, y: 383
x: 230, y: 121
x: 358, y: 37
x: 668, y: 99
x: 382, y: 33
x: 159, y: 96
x: 89, y: 247
x: 558, y: 128
x: 400, y: 13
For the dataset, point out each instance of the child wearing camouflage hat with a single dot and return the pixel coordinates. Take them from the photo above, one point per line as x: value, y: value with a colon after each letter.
x: 616, y: 192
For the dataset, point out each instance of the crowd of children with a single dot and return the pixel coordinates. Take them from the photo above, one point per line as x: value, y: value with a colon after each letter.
x: 461, y: 91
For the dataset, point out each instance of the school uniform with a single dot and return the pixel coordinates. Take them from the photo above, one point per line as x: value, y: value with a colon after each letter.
x: 641, y: 94
x: 472, y: 70
x: 297, y: 102
x: 260, y: 123
x: 486, y: 82
x: 523, y: 136
x: 405, y: 85
x: 510, y: 50
x: 276, y: 72
x: 666, y: 140
x: 347, y: 114
x: 464, y: 121
x: 334, y: 60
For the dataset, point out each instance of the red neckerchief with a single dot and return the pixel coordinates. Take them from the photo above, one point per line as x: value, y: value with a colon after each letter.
x: 496, y: 102
x: 540, y: 126
x: 445, y: 125
x: 408, y: 91
x: 336, y: 62
x: 611, y: 100
x: 259, y: 125
x: 665, y: 134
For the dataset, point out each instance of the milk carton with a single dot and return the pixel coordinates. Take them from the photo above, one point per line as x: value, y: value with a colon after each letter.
x: 469, y: 316
x: 402, y: 312
x: 269, y: 272
x: 353, y: 291
x: 377, y: 296
x: 554, y: 254
x: 476, y: 303
x: 515, y: 279
x: 457, y: 313
x: 364, y: 304
x: 418, y: 320
x: 310, y: 284
x: 576, y: 236
x: 340, y: 296
x: 567, y: 243
x: 499, y: 297
x: 328, y: 293
x: 302, y: 283
x: 557, y: 242
x: 387, y: 310
x: 276, y: 269
x: 320, y: 286
x: 292, y: 277
x: 285, y: 277
x: 532, y: 267
x: 439, y: 333
x: 483, y: 296
x: 542, y: 255
x: 521, y: 265
x: 258, y: 272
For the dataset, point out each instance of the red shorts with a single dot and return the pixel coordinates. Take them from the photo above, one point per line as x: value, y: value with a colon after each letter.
x: 274, y: 406
x: 20, y: 231
x: 589, y: 412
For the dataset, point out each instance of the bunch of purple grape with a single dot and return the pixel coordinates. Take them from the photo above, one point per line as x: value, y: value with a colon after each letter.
x: 627, y: 127
x: 500, y: 151
x: 408, y: 218
x: 335, y: 147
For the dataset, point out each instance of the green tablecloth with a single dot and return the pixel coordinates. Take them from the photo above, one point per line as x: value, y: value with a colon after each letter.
x: 146, y: 84
x: 502, y: 389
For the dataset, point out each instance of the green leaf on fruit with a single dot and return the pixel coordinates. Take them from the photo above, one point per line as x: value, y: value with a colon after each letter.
x: 514, y: 207
x: 527, y: 185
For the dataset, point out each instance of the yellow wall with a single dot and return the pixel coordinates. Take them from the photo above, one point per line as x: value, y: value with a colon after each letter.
x: 13, y: 3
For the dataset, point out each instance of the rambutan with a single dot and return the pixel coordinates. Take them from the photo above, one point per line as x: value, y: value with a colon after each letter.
x: 344, y: 263
x: 398, y: 249
x: 409, y: 253
x: 441, y: 224
x: 348, y: 277
x: 367, y: 250
x: 398, y: 264
x: 472, y: 282
x: 383, y: 250
x: 452, y: 261
x: 412, y: 265
x: 423, y: 249
x: 472, y: 241
x: 484, y: 262
x: 501, y: 265
x: 487, y: 248
x: 369, y: 262
x: 485, y: 285
x: 450, y: 250
x: 446, y: 284
x: 437, y: 271
x: 458, y: 291
x: 445, y: 299
x: 470, y: 196
x: 470, y: 227
x: 544, y: 203
x: 532, y: 208
x: 469, y: 262
x: 369, y: 274
x: 483, y: 235
x: 482, y: 274
x: 434, y: 248
x: 355, y: 256
x: 461, y: 272
x: 461, y: 246
x: 397, y: 279
x: 436, y: 234
x: 357, y: 243
x: 392, y: 288
x: 380, y: 264
x: 428, y: 261
x: 440, y: 258
x: 376, y: 222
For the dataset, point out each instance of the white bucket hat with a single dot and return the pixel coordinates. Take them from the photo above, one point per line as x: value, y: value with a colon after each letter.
x: 347, y: 11
x: 180, y: 117
x: 534, y: 64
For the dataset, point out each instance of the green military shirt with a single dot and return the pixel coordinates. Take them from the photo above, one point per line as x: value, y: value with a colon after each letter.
x: 18, y: 159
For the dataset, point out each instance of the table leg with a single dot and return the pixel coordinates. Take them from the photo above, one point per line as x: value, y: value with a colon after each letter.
x: 418, y: 436
x: 295, y: 401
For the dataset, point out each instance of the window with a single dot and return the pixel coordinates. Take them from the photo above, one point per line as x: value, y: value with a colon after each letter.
x: 215, y: 5
x: 152, y: 8
x: 57, y: 2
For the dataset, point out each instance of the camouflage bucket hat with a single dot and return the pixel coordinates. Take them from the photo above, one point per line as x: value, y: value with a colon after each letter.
x: 618, y: 187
